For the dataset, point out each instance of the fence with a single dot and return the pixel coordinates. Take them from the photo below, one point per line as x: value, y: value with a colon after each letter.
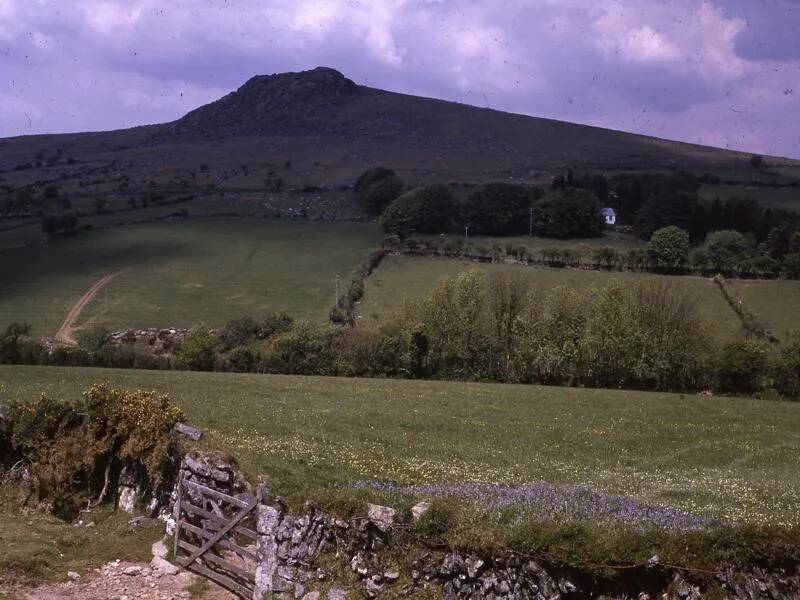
x: 217, y: 537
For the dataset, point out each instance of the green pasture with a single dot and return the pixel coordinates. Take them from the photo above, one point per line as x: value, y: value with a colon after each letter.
x: 183, y: 272
x: 775, y: 302
x: 730, y: 458
x: 401, y: 278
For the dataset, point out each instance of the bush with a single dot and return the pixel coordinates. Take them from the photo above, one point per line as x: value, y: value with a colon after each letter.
x: 428, y: 209
x: 93, y: 339
x: 743, y: 367
x: 669, y: 247
x: 568, y: 213
x: 304, y: 350
x: 791, y: 266
x: 605, y: 258
x: 80, y: 448
x: 196, y: 352
x: 498, y: 209
x: 11, y: 342
x: 787, y: 370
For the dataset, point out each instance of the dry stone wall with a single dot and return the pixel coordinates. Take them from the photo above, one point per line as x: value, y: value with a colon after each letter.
x: 295, y: 553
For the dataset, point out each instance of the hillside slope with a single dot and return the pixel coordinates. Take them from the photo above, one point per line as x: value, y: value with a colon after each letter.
x: 320, y: 128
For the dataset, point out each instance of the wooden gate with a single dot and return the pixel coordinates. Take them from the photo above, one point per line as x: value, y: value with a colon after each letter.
x: 215, y: 536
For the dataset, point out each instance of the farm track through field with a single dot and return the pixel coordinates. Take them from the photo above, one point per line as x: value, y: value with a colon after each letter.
x: 64, y: 333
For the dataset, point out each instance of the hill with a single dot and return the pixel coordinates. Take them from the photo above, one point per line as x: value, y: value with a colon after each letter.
x: 318, y: 128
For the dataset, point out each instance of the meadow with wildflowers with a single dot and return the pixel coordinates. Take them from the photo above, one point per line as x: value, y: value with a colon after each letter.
x: 709, y: 458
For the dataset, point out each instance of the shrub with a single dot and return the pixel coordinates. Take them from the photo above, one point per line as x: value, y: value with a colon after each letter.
x: 11, y: 342
x: 81, y: 447
x: 93, y: 339
x: 304, y: 350
x: 743, y: 366
x: 605, y: 257
x: 196, y: 352
x: 791, y: 266
x: 242, y: 360
x: 428, y: 209
x: 669, y: 247
x: 787, y: 370
x: 568, y: 213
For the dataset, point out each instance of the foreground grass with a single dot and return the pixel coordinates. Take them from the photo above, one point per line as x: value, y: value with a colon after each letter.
x: 38, y: 546
x: 401, y: 278
x: 733, y: 459
x: 183, y: 273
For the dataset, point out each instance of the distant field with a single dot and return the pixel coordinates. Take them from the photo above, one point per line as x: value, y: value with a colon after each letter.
x: 777, y: 303
x: 787, y: 198
x: 731, y: 458
x: 183, y: 273
x: 401, y: 278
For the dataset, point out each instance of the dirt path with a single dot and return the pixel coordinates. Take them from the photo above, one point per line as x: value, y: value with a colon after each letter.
x: 64, y: 335
x: 128, y: 581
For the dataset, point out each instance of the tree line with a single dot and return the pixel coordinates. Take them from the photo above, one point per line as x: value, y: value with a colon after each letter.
x: 568, y: 208
x: 479, y: 327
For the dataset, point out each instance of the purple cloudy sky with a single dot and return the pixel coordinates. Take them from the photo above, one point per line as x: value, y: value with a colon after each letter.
x: 720, y: 72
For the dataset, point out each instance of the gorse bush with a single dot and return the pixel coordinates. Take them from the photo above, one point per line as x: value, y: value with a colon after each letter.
x: 76, y: 450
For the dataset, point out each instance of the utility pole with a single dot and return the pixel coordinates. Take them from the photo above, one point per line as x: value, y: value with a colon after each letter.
x: 466, y: 232
x: 337, y: 290
x: 530, y: 222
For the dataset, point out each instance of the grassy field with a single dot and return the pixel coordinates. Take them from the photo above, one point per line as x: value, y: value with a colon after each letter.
x: 182, y: 273
x: 777, y: 303
x: 401, y: 278
x: 730, y: 458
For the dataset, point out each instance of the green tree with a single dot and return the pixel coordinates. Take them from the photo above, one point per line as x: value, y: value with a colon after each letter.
x: 196, y: 352
x: 725, y: 249
x: 375, y: 197
x: 756, y: 161
x: 370, y: 176
x: 498, y: 209
x: 669, y: 247
x: 428, y: 209
x: 568, y: 213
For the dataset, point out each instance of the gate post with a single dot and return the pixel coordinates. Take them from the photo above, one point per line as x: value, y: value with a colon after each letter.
x: 267, y: 520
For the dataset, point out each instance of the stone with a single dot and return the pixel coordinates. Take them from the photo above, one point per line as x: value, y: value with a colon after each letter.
x: 193, y: 433
x: 163, y: 567
x: 159, y: 549
x: 127, y: 498
x: 299, y: 590
x: 132, y: 570
x: 391, y: 575
x: 358, y: 564
x: 419, y: 510
x: 381, y: 516
x: 311, y: 596
x: 73, y: 575
x: 337, y: 594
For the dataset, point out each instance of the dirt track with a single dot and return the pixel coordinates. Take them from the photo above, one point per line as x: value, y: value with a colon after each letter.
x: 64, y: 333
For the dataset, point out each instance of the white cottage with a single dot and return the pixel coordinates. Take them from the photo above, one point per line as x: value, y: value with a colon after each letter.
x: 609, y: 216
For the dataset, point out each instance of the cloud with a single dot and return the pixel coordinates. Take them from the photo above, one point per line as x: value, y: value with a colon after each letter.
x: 691, y: 69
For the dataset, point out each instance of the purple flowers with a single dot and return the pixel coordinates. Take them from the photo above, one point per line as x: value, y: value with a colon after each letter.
x: 564, y: 503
